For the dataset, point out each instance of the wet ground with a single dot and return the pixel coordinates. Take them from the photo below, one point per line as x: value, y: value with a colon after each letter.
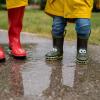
x: 36, y: 79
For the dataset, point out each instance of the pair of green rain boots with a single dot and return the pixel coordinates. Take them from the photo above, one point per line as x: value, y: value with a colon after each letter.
x: 57, y: 52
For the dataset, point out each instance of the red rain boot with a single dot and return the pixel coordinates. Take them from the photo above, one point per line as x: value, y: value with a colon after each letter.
x: 15, y: 17
x: 2, y: 55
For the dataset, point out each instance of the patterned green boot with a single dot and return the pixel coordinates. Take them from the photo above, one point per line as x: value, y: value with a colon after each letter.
x: 57, y: 52
x: 82, y: 55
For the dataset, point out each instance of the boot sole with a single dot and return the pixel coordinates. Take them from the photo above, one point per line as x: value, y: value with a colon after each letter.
x: 54, y: 58
x: 21, y: 57
x: 2, y: 60
x: 83, y: 62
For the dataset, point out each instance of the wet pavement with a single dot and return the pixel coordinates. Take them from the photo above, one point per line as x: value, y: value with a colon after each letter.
x: 36, y: 79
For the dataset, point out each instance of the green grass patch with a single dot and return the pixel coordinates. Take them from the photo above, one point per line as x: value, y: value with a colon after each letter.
x: 36, y: 21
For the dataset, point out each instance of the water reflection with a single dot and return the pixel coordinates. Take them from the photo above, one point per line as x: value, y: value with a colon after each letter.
x: 59, y: 82
x: 35, y: 77
x: 56, y: 80
x: 15, y: 79
x: 11, y: 83
x: 55, y: 89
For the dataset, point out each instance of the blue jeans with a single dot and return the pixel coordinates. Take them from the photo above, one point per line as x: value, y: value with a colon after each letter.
x: 83, y: 26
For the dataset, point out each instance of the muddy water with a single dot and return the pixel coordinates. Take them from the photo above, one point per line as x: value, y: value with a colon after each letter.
x: 36, y: 79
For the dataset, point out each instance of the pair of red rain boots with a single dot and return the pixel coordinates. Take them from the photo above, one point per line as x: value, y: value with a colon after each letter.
x: 15, y: 18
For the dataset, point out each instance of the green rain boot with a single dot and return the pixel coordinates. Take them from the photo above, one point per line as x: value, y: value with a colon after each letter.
x: 82, y: 55
x: 57, y: 51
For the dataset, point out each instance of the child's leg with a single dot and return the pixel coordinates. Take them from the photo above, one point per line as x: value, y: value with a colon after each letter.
x: 83, y: 28
x: 58, y: 28
x: 15, y: 17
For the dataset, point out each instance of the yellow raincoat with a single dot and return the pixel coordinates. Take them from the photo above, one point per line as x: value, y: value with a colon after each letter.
x: 69, y: 8
x: 16, y: 3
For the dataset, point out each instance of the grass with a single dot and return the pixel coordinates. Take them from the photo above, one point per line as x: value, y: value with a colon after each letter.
x: 36, y: 21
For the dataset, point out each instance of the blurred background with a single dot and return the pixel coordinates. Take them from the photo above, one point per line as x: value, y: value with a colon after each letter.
x: 41, y: 4
x: 37, y: 22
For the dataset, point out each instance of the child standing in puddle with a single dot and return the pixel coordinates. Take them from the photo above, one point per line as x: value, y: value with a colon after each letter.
x: 62, y: 12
